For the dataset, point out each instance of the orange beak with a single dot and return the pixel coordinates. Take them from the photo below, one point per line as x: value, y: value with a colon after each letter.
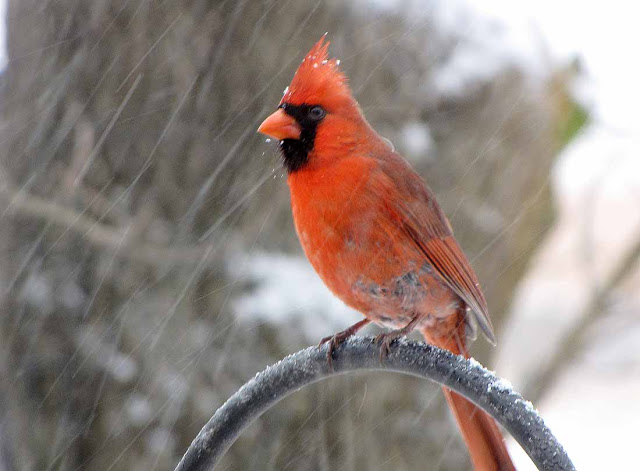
x: 280, y: 126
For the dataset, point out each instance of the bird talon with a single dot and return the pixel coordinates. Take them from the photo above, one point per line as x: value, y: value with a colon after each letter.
x: 336, y: 339
x: 325, y: 340
x: 385, y: 340
x: 334, y: 342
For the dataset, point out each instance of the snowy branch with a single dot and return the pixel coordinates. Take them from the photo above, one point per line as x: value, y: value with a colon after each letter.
x: 308, y: 366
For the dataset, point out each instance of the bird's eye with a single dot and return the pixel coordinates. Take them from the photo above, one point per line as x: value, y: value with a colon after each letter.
x: 316, y: 113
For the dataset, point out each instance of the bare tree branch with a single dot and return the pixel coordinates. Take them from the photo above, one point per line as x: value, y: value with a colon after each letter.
x: 573, y: 341
x: 308, y: 366
x: 101, y: 235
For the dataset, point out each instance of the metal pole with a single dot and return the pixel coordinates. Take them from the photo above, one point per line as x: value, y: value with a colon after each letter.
x: 310, y: 365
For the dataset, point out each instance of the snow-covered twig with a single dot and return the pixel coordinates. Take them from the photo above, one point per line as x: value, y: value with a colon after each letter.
x: 467, y: 377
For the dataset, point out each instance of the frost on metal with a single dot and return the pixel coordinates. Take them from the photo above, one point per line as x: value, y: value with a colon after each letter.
x: 308, y: 366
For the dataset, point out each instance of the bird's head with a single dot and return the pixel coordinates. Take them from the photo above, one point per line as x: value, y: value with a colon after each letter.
x: 317, y: 111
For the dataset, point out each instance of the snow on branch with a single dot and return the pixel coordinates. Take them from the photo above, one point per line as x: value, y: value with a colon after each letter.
x: 310, y: 365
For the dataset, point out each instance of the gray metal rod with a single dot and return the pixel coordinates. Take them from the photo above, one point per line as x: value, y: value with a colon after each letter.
x: 310, y: 365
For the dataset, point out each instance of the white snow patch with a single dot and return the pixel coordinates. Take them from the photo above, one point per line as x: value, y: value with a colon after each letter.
x: 71, y: 295
x: 501, y: 384
x: 38, y: 292
x: 417, y: 140
x: 139, y: 409
x: 288, y: 292
x: 161, y: 440
x: 122, y: 368
x: 475, y: 362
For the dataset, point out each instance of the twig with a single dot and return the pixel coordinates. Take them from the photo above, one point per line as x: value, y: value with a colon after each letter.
x: 308, y: 366
x: 25, y: 204
x: 572, y: 342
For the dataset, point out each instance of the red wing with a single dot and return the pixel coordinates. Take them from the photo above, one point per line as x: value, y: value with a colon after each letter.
x: 447, y: 259
x: 426, y: 225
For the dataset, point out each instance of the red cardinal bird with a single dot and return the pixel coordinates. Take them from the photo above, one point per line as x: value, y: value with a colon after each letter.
x: 375, y: 233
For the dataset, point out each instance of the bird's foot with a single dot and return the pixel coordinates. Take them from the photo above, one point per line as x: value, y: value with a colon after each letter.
x: 387, y: 338
x: 336, y: 339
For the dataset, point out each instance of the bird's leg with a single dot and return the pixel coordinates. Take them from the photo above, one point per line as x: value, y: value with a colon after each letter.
x: 336, y: 339
x: 386, y: 338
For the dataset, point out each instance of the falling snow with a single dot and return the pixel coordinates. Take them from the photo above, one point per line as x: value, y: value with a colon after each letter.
x: 150, y: 264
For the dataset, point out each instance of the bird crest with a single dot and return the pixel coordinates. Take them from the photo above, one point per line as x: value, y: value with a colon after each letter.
x: 318, y: 80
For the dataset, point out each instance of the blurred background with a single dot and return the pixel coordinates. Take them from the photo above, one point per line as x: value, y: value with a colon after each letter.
x: 149, y: 261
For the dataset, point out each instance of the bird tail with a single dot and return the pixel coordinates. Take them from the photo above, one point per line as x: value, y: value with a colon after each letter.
x: 480, y: 432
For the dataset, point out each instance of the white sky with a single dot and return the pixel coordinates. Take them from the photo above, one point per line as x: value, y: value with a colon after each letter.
x: 606, y: 36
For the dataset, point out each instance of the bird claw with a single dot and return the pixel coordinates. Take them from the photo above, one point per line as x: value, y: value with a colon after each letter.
x: 334, y: 342
x: 336, y: 339
x: 385, y: 340
x: 325, y: 340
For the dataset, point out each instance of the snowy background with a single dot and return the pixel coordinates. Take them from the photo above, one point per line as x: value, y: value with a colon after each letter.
x: 150, y: 265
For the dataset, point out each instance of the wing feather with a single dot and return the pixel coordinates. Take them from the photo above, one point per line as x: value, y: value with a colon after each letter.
x: 426, y: 225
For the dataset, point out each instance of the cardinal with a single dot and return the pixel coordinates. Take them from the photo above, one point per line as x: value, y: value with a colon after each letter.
x: 375, y: 234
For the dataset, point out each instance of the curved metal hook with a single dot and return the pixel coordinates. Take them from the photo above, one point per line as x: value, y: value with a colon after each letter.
x: 310, y: 365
